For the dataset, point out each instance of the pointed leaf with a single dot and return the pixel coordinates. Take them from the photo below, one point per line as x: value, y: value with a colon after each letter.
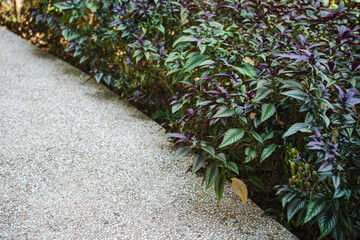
x: 194, y: 61
x: 302, y: 127
x: 176, y: 107
x: 98, y: 76
x: 240, y: 189
x: 287, y: 198
x: 313, y: 209
x: 267, y: 110
x: 181, y: 152
x: 256, y: 136
x: 294, y: 206
x: 223, y: 112
x: 219, y: 186
x: 336, y: 180
x: 211, y: 174
x: 63, y: 5
x: 199, y: 162
x: 267, y: 152
x: 262, y: 93
x: 298, y: 94
x: 338, y: 234
x: 185, y: 39
x: 246, y: 70
x: 250, y: 152
x: 232, y: 135
x: 209, y: 150
x: 233, y: 167
x: 327, y: 221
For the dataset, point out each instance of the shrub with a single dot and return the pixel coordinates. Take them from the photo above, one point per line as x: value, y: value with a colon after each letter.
x: 262, y: 91
x: 276, y: 79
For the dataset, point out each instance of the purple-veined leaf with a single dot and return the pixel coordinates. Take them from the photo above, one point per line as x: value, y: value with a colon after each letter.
x: 181, y: 152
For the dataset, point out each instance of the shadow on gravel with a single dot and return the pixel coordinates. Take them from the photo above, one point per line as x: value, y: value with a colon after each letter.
x: 42, y: 54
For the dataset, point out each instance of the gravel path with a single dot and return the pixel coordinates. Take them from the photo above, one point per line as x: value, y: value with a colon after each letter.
x: 78, y: 163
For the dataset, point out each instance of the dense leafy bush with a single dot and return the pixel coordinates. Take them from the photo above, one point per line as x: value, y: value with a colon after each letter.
x: 262, y: 91
x: 275, y: 79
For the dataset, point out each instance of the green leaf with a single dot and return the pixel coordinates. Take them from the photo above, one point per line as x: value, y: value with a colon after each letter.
x: 336, y: 180
x: 194, y: 61
x: 221, y: 157
x: 323, y: 76
x: 267, y: 110
x: 207, y: 62
x: 338, y: 234
x: 223, y: 112
x: 339, y: 193
x: 326, y: 103
x: 202, y: 48
x: 98, y: 76
x: 189, y: 38
x: 291, y: 84
x: 232, y: 135
x: 208, y: 149
x: 300, y: 216
x: 326, y: 119
x: 107, y: 79
x: 262, y: 93
x: 267, y: 152
x: 233, y: 167
x: 173, y: 56
x: 83, y: 59
x: 176, y: 107
x: 327, y: 221
x: 63, y: 5
x: 256, y: 136
x: 246, y: 70
x: 121, y: 27
x: 219, y: 185
x: 287, y: 198
x: 302, y: 127
x: 93, y: 7
x: 161, y: 28
x: 211, y: 174
x: 199, y: 162
x: 346, y: 220
x: 294, y: 206
x: 298, y: 94
x: 250, y: 152
x: 313, y: 209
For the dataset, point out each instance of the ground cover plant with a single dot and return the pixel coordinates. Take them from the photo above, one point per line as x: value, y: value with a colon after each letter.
x: 265, y: 93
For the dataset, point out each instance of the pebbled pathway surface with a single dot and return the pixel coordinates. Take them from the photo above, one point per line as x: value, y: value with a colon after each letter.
x: 78, y: 163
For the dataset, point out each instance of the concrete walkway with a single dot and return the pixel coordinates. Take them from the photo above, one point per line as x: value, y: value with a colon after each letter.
x: 78, y: 163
